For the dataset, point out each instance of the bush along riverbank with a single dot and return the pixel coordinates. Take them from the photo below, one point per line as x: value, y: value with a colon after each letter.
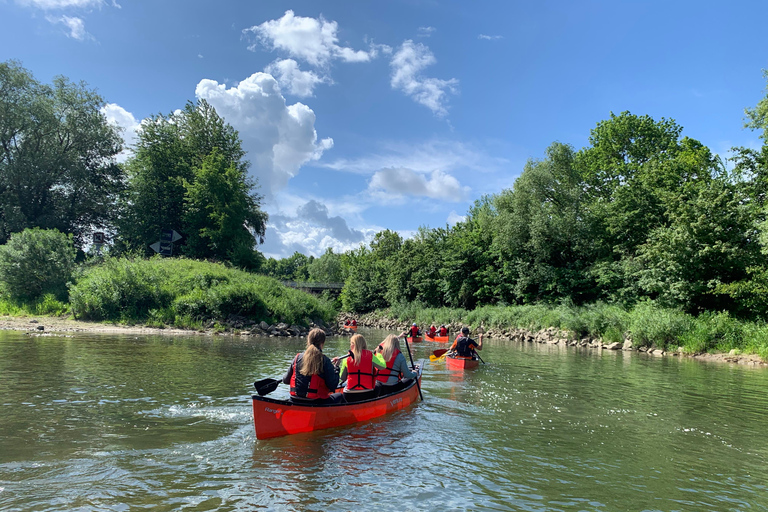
x: 191, y: 294
x: 645, y: 328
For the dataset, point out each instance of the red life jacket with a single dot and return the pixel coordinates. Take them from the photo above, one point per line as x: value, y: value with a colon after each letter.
x: 316, y: 389
x: 432, y: 332
x: 443, y: 331
x: 414, y: 331
x: 354, y: 322
x: 361, y: 376
x: 383, y: 375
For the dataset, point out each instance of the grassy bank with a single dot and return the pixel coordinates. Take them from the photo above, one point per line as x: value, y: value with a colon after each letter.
x: 645, y: 325
x: 186, y: 293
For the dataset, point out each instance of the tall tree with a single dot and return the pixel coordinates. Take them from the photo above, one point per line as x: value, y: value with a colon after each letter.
x: 57, y: 156
x: 189, y: 174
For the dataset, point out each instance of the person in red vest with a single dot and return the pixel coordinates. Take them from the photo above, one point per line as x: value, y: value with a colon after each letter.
x: 359, y: 369
x: 389, y: 354
x: 443, y: 330
x: 415, y: 332
x: 311, y: 374
x: 354, y: 322
x: 432, y: 332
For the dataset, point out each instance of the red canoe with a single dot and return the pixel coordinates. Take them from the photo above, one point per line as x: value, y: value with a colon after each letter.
x: 417, y: 339
x: 275, y: 418
x: 439, y: 339
x: 460, y: 363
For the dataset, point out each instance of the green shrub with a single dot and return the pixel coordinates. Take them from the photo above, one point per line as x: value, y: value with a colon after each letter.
x: 35, y: 262
x: 188, y: 293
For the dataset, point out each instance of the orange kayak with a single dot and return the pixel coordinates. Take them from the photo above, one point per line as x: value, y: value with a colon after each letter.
x: 461, y: 363
x: 275, y: 418
x: 439, y: 339
x: 417, y: 339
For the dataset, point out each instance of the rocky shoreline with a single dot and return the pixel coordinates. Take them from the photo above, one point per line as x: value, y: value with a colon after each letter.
x: 554, y: 336
x: 50, y: 326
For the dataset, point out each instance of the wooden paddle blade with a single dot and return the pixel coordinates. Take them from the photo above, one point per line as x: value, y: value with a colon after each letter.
x: 266, y: 386
x: 438, y: 353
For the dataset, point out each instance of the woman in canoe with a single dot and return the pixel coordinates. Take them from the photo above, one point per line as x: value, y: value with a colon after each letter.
x: 464, y: 346
x: 432, y: 331
x: 360, y: 370
x: 443, y: 330
x: 388, y: 354
x: 312, y: 375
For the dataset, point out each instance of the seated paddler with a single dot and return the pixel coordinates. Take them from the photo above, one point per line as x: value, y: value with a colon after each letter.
x: 311, y: 374
x: 359, y: 369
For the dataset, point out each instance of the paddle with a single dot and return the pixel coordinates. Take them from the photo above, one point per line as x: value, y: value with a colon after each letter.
x: 438, y: 354
x: 413, y: 367
x: 266, y: 386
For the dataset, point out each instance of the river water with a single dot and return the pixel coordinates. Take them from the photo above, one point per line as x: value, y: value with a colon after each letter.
x: 106, y: 422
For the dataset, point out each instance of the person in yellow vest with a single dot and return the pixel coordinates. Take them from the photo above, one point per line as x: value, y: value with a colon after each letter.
x: 359, y: 369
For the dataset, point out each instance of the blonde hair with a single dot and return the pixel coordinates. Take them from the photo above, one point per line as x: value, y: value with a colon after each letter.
x: 359, y: 345
x: 388, y: 347
x: 312, y: 361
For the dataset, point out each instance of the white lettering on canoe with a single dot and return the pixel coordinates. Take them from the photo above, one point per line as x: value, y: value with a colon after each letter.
x: 276, y: 412
x: 395, y: 401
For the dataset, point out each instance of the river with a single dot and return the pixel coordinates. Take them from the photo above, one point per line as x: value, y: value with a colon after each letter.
x: 107, y: 422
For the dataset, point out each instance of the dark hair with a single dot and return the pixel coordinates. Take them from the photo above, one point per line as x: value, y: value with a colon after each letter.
x: 465, y: 330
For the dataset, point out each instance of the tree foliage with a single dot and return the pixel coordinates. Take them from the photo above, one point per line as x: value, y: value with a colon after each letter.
x: 35, y: 262
x: 57, y: 156
x: 189, y: 174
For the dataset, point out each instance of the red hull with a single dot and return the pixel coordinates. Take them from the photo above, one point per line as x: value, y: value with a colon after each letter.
x: 461, y: 363
x: 275, y: 418
x: 417, y: 339
x: 439, y: 339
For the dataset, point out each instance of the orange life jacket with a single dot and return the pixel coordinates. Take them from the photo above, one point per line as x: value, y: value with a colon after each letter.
x: 362, y: 375
x: 316, y: 389
x: 383, y: 375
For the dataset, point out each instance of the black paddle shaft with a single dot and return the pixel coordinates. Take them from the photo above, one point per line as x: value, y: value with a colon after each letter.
x: 413, y: 366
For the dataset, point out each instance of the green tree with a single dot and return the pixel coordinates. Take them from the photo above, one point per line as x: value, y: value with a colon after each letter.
x: 57, y: 156
x: 367, y: 271
x: 326, y: 269
x: 221, y: 213
x: 37, y: 261
x: 188, y: 173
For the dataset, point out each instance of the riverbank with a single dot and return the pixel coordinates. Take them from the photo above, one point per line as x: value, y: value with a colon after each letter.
x: 48, y: 325
x: 556, y: 336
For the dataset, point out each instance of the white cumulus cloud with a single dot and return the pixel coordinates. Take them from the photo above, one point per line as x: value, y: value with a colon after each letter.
x: 311, y: 231
x: 404, y: 182
x: 407, y: 65
x: 128, y: 124
x: 279, y: 138
x: 312, y: 40
x: 454, y: 218
x: 289, y: 76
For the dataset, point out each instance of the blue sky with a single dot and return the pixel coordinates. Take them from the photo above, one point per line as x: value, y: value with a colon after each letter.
x: 359, y: 116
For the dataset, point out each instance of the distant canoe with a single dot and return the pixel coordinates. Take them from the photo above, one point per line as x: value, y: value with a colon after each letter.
x: 438, y: 339
x: 417, y: 339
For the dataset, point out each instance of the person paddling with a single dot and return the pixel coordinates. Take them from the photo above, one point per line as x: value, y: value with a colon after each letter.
x: 359, y: 369
x: 311, y: 374
x: 396, y: 368
x: 415, y: 332
x: 464, y: 346
x: 443, y: 330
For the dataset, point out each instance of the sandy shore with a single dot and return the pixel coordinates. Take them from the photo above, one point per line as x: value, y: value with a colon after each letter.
x: 43, y: 324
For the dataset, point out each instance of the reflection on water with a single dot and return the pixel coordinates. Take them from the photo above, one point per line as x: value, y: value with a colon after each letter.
x: 124, y: 422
